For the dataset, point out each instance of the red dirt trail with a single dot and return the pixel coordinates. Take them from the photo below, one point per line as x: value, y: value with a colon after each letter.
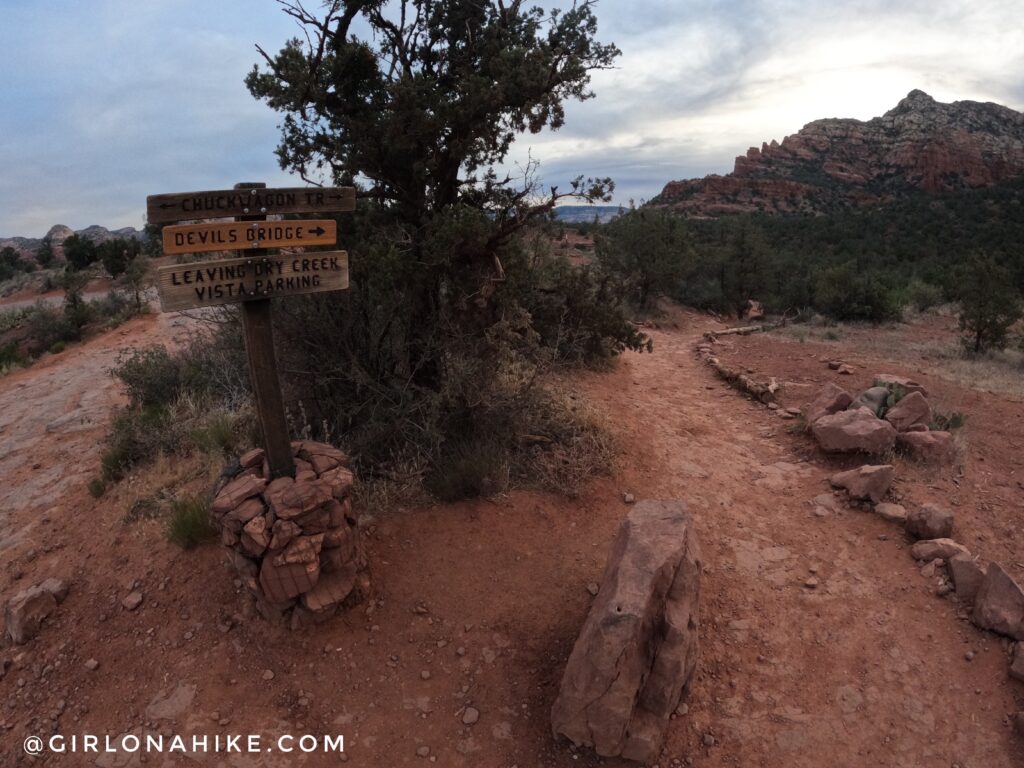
x: 866, y: 669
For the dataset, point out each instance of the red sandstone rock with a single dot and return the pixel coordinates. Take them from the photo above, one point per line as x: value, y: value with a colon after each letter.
x: 867, y: 482
x: 920, y: 143
x: 930, y: 521
x: 237, y: 491
x: 831, y: 399
x: 912, y: 411
x: 931, y: 447
x: 967, y: 576
x: 638, y: 647
x: 331, y: 589
x: 930, y: 549
x: 856, y: 430
x: 253, y: 458
x: 25, y: 613
x: 999, y: 604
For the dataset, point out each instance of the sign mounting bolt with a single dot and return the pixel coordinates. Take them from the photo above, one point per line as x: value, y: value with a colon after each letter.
x: 263, y: 210
x: 245, y: 210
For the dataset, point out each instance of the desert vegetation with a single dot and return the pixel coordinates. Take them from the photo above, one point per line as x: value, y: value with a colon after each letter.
x: 437, y: 363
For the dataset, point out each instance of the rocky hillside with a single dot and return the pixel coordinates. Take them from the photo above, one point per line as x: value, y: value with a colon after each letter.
x: 921, y: 144
x: 58, y: 233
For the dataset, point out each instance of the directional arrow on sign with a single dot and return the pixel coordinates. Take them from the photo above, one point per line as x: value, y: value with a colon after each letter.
x: 245, y: 235
x: 216, y: 204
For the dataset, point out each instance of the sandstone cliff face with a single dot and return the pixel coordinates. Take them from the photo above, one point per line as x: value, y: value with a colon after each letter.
x: 921, y: 144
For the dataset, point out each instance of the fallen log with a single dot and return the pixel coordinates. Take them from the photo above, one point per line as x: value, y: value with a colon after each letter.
x: 764, y: 391
x: 743, y: 331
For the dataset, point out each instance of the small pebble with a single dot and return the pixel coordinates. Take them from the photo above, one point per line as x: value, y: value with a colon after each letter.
x: 425, y: 674
x: 470, y: 716
x: 268, y: 674
x: 92, y: 665
x: 423, y: 751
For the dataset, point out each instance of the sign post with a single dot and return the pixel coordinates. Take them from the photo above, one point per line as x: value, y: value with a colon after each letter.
x: 255, y: 278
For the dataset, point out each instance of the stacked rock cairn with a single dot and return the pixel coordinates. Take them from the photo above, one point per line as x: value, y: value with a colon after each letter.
x: 293, y: 542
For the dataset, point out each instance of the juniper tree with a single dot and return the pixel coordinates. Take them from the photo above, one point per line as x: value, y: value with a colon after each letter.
x: 418, y: 103
x: 989, y: 303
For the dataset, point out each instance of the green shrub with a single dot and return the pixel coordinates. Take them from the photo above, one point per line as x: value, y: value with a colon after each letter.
x: 12, y: 318
x: 217, y: 435
x: 45, y: 326
x: 922, y: 296
x: 470, y: 468
x: 189, y: 524
x: 990, y: 303
x: 114, y: 309
x: 57, y: 347
x: 845, y: 293
x: 946, y: 422
x: 152, y: 376
x: 10, y: 356
x: 97, y: 487
x: 137, y: 436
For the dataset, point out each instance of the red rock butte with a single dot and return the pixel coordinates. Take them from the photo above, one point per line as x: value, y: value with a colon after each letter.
x: 921, y: 144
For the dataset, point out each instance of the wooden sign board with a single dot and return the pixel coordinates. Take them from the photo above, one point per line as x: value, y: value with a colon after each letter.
x: 222, y: 204
x: 245, y: 235
x: 229, y: 281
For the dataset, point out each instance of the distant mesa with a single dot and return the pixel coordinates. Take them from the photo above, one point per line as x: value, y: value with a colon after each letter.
x: 920, y: 145
x: 58, y: 233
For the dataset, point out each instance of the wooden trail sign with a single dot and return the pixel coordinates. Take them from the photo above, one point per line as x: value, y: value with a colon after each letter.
x: 240, y: 235
x: 225, y: 203
x: 229, y: 281
x: 255, y: 278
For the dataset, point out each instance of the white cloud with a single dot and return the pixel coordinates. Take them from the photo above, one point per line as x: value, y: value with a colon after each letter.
x: 105, y: 102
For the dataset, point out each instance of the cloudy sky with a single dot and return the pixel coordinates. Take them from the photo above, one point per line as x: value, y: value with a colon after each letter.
x: 106, y: 101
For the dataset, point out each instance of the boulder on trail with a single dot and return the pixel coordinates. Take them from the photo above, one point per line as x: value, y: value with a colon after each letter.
x: 930, y: 521
x: 867, y: 482
x: 999, y: 604
x: 638, y: 647
x: 930, y: 549
x: 854, y: 430
x: 25, y: 612
x: 967, y: 576
x: 912, y: 412
x: 930, y: 447
x: 875, y: 399
x: 831, y: 399
x: 894, y: 513
x: 1017, y: 667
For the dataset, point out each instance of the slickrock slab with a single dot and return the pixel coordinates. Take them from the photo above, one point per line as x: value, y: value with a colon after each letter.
x: 638, y: 647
